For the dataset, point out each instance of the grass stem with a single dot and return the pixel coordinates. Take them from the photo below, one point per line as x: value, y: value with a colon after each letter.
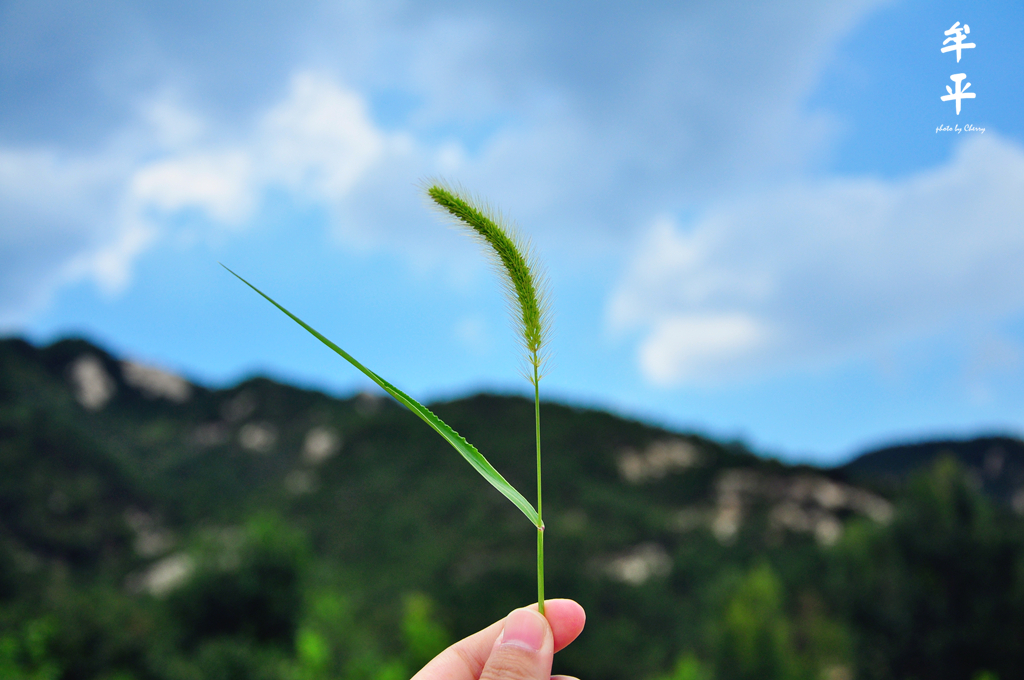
x: 540, y: 516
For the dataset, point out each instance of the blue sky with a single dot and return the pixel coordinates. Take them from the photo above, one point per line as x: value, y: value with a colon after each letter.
x: 750, y: 224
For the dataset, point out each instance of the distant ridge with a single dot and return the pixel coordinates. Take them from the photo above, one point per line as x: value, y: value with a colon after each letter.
x: 996, y: 462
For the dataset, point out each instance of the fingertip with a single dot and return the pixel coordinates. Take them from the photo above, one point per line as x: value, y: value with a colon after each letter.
x: 525, y: 628
x: 566, y: 618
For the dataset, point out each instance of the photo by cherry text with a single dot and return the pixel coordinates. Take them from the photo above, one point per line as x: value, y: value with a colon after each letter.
x: 957, y: 129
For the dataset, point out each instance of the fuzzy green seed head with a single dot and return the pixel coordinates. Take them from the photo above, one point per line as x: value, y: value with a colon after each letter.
x: 514, y: 260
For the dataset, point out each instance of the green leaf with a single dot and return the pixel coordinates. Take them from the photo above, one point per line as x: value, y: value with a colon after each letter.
x: 467, y: 450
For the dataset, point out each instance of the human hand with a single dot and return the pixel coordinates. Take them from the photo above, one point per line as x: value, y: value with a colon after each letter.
x: 519, y: 647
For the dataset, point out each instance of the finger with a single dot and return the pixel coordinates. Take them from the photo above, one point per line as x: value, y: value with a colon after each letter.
x: 524, y: 651
x: 567, y: 619
x: 465, y: 659
x: 563, y: 677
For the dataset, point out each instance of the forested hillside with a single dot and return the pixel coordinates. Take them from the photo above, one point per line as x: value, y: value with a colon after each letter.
x: 154, y: 529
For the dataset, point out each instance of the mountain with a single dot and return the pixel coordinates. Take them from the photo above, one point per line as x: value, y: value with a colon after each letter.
x: 995, y: 462
x: 155, y: 528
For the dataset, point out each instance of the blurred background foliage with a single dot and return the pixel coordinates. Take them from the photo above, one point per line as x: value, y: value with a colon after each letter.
x: 170, y: 532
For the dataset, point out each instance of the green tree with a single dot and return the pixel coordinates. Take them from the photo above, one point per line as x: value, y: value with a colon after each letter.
x: 423, y: 635
x: 24, y: 653
x: 756, y: 638
x: 938, y: 593
x: 689, y: 667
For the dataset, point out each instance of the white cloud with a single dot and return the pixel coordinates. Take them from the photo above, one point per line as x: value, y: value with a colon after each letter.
x: 170, y: 124
x: 221, y: 184
x: 319, y: 141
x: 52, y: 210
x: 110, y: 265
x: 686, y: 347
x: 67, y: 218
x: 822, y: 271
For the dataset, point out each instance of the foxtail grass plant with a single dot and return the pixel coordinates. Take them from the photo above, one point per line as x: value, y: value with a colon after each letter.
x: 526, y: 301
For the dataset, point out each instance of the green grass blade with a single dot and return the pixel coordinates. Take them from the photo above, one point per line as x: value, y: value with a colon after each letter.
x: 467, y: 450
